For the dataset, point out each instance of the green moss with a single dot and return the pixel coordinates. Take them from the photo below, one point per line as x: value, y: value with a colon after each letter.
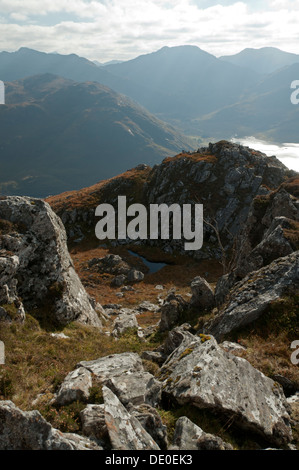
x: 186, y: 353
x: 204, y: 338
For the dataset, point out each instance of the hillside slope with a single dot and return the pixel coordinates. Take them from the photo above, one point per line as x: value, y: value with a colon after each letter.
x: 58, y: 135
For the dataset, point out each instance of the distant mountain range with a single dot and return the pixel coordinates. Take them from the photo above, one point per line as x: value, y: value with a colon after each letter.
x: 63, y: 126
x: 57, y: 135
x: 265, y: 60
x: 184, y: 85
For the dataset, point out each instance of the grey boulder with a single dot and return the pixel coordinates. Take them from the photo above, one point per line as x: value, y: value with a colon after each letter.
x: 206, y: 376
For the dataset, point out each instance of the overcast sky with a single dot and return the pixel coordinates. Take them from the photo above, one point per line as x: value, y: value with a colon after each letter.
x: 123, y: 29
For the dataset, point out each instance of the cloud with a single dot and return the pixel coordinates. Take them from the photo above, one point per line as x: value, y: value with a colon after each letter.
x: 117, y: 29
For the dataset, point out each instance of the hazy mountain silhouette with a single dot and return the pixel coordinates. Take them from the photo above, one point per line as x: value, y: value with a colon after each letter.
x: 27, y: 62
x: 265, y: 60
x: 177, y: 83
x: 58, y: 135
x: 267, y: 111
x: 191, y: 89
x: 192, y: 81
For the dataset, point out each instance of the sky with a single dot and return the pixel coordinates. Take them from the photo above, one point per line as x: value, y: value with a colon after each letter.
x: 106, y: 30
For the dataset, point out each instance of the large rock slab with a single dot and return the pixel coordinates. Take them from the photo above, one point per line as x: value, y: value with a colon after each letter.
x: 114, y: 365
x: 125, y: 431
x: 45, y: 274
x: 249, y: 298
x: 136, y: 388
x: 28, y: 430
x: 206, y: 376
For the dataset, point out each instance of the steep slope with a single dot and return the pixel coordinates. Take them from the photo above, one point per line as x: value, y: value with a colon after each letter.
x: 58, y: 135
x: 264, y: 60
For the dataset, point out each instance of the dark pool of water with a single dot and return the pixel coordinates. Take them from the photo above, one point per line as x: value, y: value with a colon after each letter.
x: 153, y: 266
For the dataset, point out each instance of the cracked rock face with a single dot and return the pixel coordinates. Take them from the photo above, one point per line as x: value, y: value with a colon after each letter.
x: 249, y: 298
x: 206, y: 376
x: 266, y: 235
x: 43, y: 267
x: 125, y: 431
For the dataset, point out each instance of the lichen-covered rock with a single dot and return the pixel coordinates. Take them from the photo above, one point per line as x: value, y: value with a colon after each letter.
x: 175, y: 338
x: 94, y: 424
x: 249, y: 298
x: 125, y: 431
x: 75, y: 387
x: 206, y: 376
x: 123, y: 323
x: 136, y: 388
x: 114, y: 365
x: 43, y: 268
x: 151, y: 421
x: 267, y: 234
x: 11, y: 307
x: 189, y: 436
x: 28, y: 430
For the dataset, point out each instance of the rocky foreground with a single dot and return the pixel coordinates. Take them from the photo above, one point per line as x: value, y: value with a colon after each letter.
x: 194, y: 366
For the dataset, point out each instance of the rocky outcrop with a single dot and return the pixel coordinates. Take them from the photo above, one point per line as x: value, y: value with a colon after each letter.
x: 269, y: 231
x: 249, y: 298
x: 37, y: 266
x: 114, y: 264
x: 201, y: 373
x: 224, y: 177
x: 20, y: 430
